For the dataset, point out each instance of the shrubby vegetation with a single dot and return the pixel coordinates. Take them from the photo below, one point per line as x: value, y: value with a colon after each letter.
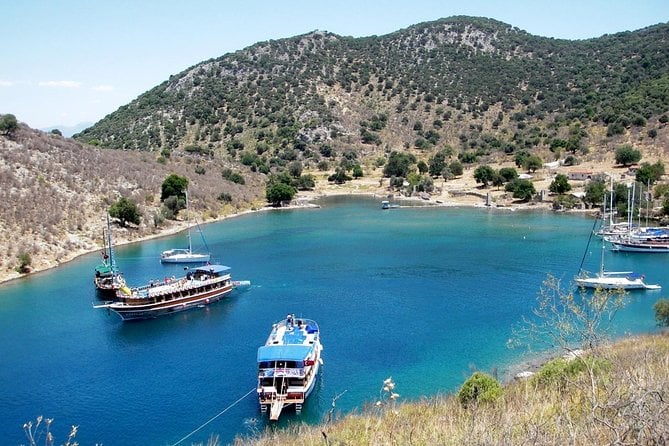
x: 8, y: 124
x: 317, y: 98
x: 125, y: 211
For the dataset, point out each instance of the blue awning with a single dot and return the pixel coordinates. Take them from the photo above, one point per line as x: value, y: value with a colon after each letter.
x: 283, y: 352
x: 216, y: 269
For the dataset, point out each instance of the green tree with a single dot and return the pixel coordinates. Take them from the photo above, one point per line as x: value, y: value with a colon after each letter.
x: 278, y: 192
x: 295, y: 169
x: 594, y: 193
x: 560, y: 184
x: 398, y: 164
x: 174, y: 185
x: 532, y: 163
x: 306, y: 182
x: 8, y: 124
x: 520, y: 158
x: 126, y: 211
x: 649, y: 173
x: 480, y: 388
x: 627, y: 155
x: 339, y: 176
x: 456, y: 168
x: 661, y: 308
x: 437, y: 163
x: 521, y: 189
x: 25, y: 262
x: 484, y: 174
x: 508, y: 173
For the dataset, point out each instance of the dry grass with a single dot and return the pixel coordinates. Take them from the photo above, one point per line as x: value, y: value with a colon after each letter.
x: 55, y: 192
x: 626, y: 403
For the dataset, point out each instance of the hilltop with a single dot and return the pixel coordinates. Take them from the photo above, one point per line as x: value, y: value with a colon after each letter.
x: 479, y: 88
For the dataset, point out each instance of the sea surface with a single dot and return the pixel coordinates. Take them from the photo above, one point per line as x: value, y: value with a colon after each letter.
x: 425, y: 295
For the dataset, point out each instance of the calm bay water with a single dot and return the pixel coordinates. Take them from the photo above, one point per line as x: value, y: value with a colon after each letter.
x: 423, y: 294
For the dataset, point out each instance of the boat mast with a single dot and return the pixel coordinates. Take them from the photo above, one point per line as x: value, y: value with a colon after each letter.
x: 190, y: 246
x: 112, y: 261
x: 611, y: 205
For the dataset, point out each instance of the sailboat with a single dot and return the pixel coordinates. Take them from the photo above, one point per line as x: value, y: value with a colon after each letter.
x: 107, y: 278
x: 186, y: 255
x: 613, y: 280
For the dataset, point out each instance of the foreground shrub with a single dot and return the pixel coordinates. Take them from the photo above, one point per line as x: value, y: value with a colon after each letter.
x: 480, y: 387
x: 560, y: 371
x: 661, y: 308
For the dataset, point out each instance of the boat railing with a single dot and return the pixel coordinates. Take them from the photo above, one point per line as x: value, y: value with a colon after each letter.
x: 281, y: 372
x: 156, y: 288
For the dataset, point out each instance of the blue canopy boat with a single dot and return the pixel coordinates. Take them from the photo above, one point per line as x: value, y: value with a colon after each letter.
x: 288, y: 365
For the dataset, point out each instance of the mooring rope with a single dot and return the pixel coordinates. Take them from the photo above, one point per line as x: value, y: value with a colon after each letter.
x: 216, y: 416
x: 592, y: 232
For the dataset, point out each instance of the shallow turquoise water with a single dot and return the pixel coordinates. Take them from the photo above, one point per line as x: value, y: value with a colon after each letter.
x: 425, y: 295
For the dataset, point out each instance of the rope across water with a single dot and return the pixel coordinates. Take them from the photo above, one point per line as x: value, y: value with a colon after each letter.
x: 216, y: 416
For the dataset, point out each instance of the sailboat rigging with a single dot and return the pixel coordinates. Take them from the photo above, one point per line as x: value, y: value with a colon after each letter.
x: 612, y: 280
x: 187, y: 255
x: 107, y: 278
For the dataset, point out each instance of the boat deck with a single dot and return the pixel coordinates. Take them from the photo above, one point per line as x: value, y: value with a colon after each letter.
x: 297, y: 332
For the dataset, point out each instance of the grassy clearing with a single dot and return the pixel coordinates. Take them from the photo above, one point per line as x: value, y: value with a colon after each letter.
x: 618, y: 394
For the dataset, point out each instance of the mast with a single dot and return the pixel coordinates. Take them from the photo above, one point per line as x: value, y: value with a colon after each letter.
x: 190, y: 246
x: 611, y: 205
x: 112, y: 261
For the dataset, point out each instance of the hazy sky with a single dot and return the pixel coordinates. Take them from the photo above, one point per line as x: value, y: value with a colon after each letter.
x: 71, y: 61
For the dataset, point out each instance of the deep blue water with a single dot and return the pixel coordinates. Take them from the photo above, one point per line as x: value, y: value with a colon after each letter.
x: 425, y: 295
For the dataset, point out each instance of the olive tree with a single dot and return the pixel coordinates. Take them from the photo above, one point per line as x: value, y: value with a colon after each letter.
x: 126, y: 211
x: 627, y: 155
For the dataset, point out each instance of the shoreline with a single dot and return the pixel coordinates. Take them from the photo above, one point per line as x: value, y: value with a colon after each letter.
x: 305, y: 200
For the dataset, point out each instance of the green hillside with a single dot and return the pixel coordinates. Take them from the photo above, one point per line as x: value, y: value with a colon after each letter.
x: 469, y: 84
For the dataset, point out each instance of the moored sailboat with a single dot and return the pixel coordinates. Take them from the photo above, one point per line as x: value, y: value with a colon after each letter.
x: 288, y: 365
x: 108, y: 279
x: 626, y: 280
x: 186, y: 255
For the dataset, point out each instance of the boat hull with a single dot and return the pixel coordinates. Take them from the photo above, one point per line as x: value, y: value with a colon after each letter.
x: 192, y: 258
x: 612, y: 285
x: 641, y: 247
x: 149, y: 311
x: 201, y: 286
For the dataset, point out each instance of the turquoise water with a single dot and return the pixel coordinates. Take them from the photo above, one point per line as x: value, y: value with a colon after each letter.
x: 425, y: 295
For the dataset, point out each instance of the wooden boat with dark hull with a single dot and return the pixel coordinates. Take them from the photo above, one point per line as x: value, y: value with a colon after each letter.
x: 108, y: 279
x: 201, y: 286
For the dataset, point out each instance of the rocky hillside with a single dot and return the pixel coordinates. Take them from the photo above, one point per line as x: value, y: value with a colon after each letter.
x: 55, y: 193
x: 480, y: 88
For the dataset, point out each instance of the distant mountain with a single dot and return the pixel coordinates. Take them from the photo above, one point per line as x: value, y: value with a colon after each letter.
x: 477, y: 88
x: 68, y: 131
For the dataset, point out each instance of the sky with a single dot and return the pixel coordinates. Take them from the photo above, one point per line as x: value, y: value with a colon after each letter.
x: 65, y: 62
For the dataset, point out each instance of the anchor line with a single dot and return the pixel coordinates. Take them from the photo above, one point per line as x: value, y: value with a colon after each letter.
x: 216, y: 416
x: 594, y: 225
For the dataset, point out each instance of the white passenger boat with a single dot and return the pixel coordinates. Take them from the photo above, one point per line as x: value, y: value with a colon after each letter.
x: 288, y: 365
